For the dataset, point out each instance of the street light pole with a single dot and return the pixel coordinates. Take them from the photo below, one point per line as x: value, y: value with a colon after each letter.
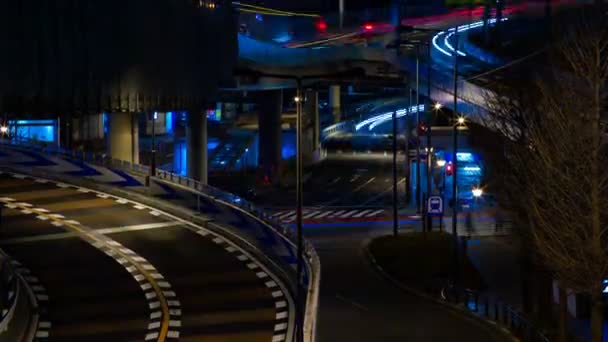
x: 427, y: 106
x: 455, y: 162
x: 300, y: 292
x: 153, y: 160
x: 417, y: 132
x: 395, y: 198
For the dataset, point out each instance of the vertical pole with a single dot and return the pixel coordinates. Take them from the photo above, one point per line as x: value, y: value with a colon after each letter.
x: 408, y: 173
x: 430, y: 120
x: 341, y: 9
x: 300, y: 292
x: 395, y: 199
x: 417, y: 133
x: 133, y: 122
x: 58, y: 130
x: 455, y: 164
x: 153, y: 157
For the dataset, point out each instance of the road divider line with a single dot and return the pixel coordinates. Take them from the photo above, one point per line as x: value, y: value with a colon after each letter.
x: 283, y: 304
x: 142, y: 272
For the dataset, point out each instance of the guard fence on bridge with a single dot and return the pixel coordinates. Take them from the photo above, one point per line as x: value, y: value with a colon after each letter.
x: 10, y: 291
x: 312, y: 264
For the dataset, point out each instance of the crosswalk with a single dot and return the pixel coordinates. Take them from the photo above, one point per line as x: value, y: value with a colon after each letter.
x: 288, y: 216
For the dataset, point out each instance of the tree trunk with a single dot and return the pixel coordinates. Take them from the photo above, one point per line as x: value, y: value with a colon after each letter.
x: 563, y: 315
x: 597, y: 319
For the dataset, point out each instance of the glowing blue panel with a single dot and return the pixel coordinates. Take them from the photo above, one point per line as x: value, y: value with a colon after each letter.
x: 169, y: 122
x: 465, y: 157
x: 105, y: 122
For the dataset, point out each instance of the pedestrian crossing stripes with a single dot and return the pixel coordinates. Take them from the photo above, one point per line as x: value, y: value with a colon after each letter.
x: 288, y: 216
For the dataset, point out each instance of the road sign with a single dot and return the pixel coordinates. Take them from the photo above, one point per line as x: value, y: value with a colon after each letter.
x: 435, y: 205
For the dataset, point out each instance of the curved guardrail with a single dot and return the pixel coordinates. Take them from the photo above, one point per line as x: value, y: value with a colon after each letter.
x: 312, y: 263
x: 9, y: 292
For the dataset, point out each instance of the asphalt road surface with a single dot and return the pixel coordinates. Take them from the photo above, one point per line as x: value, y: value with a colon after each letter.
x: 359, y: 304
x: 112, y: 267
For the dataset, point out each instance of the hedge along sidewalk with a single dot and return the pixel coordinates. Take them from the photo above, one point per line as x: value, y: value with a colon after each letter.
x: 423, y: 264
x: 422, y: 267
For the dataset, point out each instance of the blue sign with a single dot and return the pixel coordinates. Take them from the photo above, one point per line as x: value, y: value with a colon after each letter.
x: 435, y: 205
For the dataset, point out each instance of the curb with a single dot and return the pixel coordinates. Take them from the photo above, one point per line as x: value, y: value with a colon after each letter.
x: 453, y: 308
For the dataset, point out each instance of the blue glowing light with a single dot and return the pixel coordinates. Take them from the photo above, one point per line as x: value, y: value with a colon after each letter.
x: 472, y: 168
x: 259, y: 17
x: 465, y: 157
x: 461, y: 28
x: 382, y: 118
x: 169, y: 122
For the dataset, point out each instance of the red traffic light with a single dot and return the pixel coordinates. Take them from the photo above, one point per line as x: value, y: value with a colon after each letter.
x: 421, y: 128
x: 449, y: 169
x: 321, y: 25
x: 368, y: 27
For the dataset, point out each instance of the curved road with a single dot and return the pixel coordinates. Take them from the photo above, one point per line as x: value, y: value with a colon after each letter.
x: 358, y: 304
x: 115, y: 270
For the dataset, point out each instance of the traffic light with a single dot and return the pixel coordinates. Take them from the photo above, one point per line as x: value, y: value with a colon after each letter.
x: 421, y: 128
x: 449, y: 169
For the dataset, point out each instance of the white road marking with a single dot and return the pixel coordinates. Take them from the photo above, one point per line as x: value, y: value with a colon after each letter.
x: 350, y: 213
x: 339, y: 212
x: 362, y: 213
x: 310, y: 214
x: 372, y: 214
x: 364, y: 184
x: 324, y: 214
x: 284, y: 214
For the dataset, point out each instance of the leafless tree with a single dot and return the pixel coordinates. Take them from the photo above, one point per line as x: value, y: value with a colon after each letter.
x: 556, y: 154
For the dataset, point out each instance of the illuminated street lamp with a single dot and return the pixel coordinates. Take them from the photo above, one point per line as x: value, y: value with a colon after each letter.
x: 441, y: 162
x: 437, y: 106
x: 461, y: 120
x: 3, y: 129
x: 477, y: 192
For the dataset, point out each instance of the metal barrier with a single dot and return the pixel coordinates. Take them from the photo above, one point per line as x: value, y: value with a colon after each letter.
x: 9, y: 292
x: 311, y: 258
x: 493, y: 309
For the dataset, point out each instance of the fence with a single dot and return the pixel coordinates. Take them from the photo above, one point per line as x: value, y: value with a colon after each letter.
x: 493, y: 309
x: 9, y: 292
x: 312, y: 261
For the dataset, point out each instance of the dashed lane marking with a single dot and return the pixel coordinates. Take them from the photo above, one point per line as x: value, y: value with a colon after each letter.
x: 172, y: 317
x: 142, y: 271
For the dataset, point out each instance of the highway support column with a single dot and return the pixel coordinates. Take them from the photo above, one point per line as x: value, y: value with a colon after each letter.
x: 269, y: 123
x: 123, y: 139
x: 334, y: 102
x: 196, y: 137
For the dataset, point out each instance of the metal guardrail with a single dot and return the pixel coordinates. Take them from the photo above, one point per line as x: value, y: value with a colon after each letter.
x: 495, y: 310
x: 9, y: 292
x: 312, y: 260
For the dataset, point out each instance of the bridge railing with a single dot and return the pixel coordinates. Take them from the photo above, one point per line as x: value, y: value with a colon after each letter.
x: 493, y: 309
x: 9, y: 292
x: 312, y: 263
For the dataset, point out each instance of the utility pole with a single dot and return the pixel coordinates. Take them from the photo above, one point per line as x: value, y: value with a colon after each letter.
x: 455, y: 162
x: 417, y: 132
x: 300, y: 246
x: 427, y: 107
x: 395, y: 198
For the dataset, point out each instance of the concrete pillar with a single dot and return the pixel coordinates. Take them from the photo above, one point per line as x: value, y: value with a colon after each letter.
x: 269, y: 123
x: 123, y: 137
x: 334, y: 102
x: 196, y: 138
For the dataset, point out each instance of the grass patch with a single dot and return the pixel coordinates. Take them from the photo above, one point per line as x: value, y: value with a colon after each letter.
x: 422, y: 263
